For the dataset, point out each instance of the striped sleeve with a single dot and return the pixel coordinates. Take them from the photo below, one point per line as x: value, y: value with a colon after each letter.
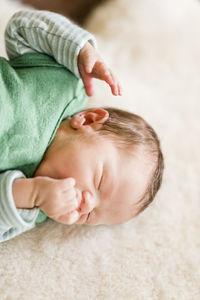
x: 13, y: 221
x: 46, y: 32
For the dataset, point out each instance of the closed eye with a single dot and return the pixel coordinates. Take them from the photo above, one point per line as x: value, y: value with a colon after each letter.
x: 100, y: 182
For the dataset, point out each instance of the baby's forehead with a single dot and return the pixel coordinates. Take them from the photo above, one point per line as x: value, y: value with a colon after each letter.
x: 134, y: 173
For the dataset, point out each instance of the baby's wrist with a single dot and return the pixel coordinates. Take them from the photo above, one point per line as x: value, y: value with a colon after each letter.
x: 23, y: 192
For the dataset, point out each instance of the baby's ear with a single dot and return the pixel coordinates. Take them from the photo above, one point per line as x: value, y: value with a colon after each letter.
x: 88, y: 120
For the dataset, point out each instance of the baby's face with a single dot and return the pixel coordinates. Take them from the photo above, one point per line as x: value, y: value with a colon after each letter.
x: 110, y: 183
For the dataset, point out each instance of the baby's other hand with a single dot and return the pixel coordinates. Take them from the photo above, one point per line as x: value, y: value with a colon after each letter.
x: 91, y: 66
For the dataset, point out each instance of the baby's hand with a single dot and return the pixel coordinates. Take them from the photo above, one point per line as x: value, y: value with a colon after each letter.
x: 92, y: 66
x: 58, y: 199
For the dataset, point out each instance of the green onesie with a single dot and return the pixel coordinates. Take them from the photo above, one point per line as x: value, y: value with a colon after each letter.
x: 36, y: 94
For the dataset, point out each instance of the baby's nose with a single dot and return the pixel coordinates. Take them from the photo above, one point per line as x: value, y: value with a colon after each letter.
x: 87, y: 202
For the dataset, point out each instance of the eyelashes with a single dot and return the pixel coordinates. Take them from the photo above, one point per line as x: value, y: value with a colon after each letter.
x: 101, y: 180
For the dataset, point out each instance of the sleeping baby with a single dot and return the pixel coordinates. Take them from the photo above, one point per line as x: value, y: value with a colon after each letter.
x: 59, y: 160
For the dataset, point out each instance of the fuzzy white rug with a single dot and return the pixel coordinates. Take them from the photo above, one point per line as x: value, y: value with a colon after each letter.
x: 154, y: 46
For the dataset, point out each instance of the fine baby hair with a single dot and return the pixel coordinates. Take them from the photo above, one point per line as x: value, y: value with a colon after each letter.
x: 129, y: 131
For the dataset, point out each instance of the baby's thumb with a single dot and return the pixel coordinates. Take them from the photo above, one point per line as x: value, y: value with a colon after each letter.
x: 88, y: 63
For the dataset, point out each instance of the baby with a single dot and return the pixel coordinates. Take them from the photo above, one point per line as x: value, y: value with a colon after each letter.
x: 94, y: 166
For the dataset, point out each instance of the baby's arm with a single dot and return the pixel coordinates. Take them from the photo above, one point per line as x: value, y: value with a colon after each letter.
x: 13, y: 221
x: 57, y: 198
x: 22, y: 198
x: 46, y: 32
x: 70, y: 45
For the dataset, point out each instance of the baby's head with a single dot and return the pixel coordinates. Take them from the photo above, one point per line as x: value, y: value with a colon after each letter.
x: 115, y: 158
x: 137, y: 139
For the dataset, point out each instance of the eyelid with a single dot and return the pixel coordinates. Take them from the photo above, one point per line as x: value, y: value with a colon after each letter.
x: 100, y: 182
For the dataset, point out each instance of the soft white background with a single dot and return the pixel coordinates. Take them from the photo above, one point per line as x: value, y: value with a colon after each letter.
x: 154, y: 46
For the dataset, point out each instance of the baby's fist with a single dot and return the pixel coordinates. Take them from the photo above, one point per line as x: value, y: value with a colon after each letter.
x: 56, y: 197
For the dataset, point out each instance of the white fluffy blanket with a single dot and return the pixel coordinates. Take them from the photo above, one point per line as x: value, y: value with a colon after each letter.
x: 154, y: 46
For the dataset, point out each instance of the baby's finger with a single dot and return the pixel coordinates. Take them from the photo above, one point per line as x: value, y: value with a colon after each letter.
x: 87, y: 60
x: 119, y: 89
x: 69, y: 204
x: 71, y: 199
x: 69, y: 218
x: 114, y: 85
x: 102, y: 72
x: 66, y: 183
x: 88, y: 64
x: 87, y: 81
x: 88, y: 84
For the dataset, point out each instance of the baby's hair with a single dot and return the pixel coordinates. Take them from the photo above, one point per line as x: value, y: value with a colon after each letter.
x: 129, y: 131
